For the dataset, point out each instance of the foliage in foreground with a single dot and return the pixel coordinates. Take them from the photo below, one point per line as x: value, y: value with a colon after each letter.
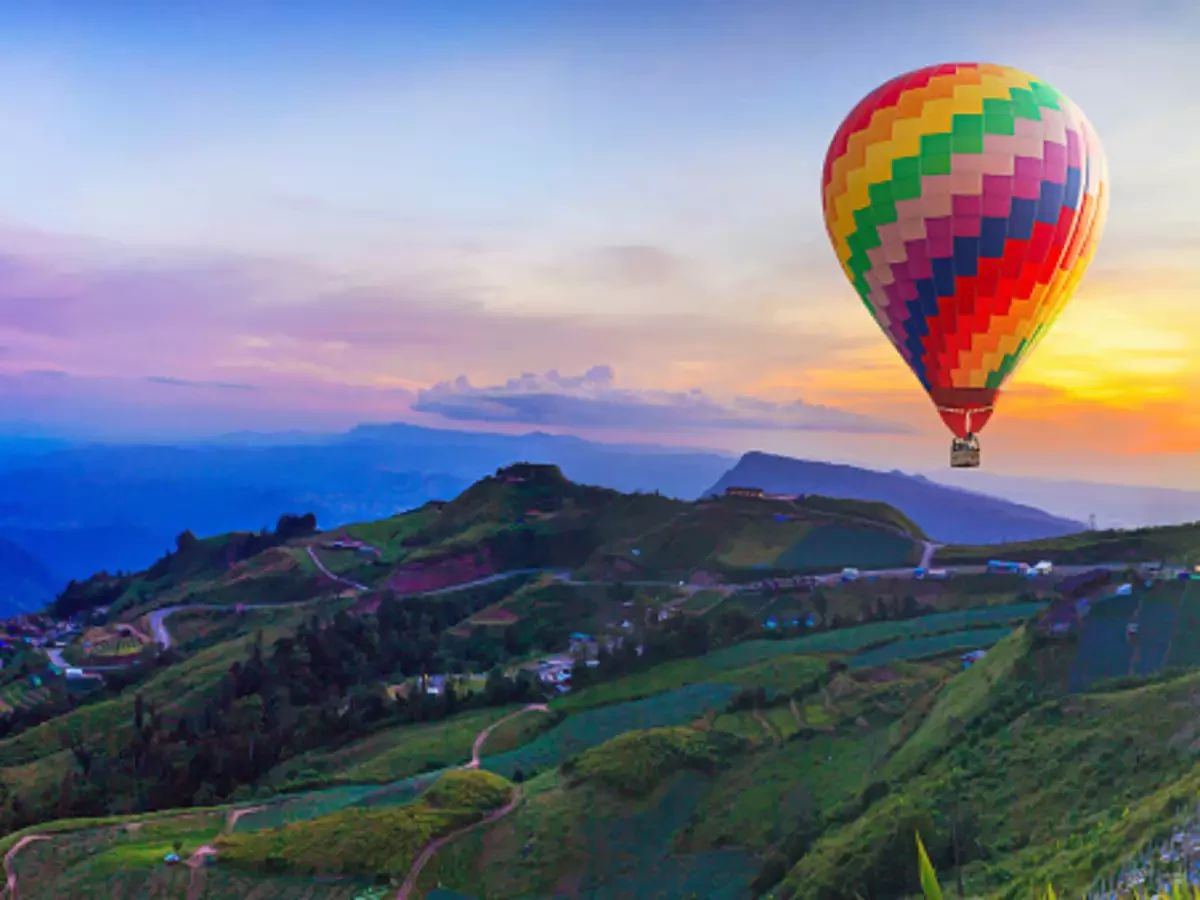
x: 932, y: 890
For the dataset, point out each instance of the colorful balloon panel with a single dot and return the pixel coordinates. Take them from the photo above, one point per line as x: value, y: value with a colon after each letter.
x: 964, y: 202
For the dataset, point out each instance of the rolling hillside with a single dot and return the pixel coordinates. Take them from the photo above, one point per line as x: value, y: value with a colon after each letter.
x: 946, y: 514
x: 772, y: 741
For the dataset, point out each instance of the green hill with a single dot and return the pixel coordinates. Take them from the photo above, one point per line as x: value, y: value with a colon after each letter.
x: 1178, y: 544
x: 769, y: 741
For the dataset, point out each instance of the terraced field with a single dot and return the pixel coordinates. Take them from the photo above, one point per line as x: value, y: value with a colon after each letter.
x: 1104, y: 647
x: 584, y: 842
x: 1185, y: 647
x: 849, y: 640
x: 931, y: 645
x: 593, y: 727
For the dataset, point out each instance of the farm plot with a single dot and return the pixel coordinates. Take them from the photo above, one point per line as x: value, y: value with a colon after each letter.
x: 764, y: 795
x: 931, y: 645
x: 1104, y: 648
x: 1157, y: 618
x: 631, y: 856
x: 835, y: 546
x: 848, y: 640
x: 20, y: 695
x: 595, y: 726
x: 1185, y: 647
x: 584, y: 842
x: 304, y: 806
x: 392, y: 754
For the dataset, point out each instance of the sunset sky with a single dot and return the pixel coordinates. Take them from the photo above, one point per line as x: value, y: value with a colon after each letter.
x: 227, y: 214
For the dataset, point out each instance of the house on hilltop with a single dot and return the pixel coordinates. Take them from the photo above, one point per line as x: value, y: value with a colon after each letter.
x: 753, y: 493
x: 521, y: 472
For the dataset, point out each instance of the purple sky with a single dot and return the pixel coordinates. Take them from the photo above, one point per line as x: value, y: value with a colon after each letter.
x: 260, y: 215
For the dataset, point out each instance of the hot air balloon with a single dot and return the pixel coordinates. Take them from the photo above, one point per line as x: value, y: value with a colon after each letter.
x: 964, y: 202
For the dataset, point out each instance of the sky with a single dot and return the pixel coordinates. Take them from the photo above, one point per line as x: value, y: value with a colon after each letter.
x: 600, y: 218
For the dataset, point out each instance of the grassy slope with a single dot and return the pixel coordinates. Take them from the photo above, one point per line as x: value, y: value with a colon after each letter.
x: 403, y: 751
x: 1173, y: 543
x: 963, y: 701
x: 372, y: 841
x: 637, y: 762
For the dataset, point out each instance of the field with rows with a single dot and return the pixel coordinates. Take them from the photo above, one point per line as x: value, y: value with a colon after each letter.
x: 592, y: 844
x: 930, y: 645
x: 1104, y: 650
x: 835, y: 546
x: 21, y: 695
x: 848, y: 640
x: 595, y: 726
x: 393, y: 753
x: 1158, y: 618
x: 1185, y: 648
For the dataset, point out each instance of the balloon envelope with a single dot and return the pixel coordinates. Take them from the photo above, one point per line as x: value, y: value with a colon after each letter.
x: 964, y: 202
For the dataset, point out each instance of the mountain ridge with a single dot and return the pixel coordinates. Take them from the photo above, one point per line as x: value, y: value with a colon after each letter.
x: 947, y: 514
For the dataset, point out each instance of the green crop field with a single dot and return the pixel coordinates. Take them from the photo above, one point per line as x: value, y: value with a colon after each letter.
x: 595, y: 726
x: 848, y: 640
x: 395, y: 753
x: 585, y: 842
x: 369, y: 842
x: 834, y: 546
x: 766, y: 794
x: 301, y: 807
x: 931, y: 645
x: 773, y: 673
x: 1185, y: 644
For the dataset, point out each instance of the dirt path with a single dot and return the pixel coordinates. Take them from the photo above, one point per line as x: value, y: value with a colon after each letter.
x: 10, y: 887
x: 768, y: 731
x: 427, y: 854
x: 410, y: 882
x: 480, y: 738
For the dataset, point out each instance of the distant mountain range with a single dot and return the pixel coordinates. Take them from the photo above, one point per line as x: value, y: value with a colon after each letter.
x: 79, y: 508
x: 82, y: 508
x: 1113, y: 505
x: 946, y: 514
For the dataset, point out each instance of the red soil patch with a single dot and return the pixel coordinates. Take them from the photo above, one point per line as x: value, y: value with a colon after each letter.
x: 420, y: 577
x: 494, y: 616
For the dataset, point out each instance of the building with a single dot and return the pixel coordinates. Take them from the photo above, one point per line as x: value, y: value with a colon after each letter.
x: 583, y: 645
x: 751, y: 492
x: 521, y: 472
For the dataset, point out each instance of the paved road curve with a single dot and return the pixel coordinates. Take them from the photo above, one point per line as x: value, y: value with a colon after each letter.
x: 162, y: 636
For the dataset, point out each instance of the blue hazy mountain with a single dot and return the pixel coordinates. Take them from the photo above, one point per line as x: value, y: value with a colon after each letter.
x: 946, y: 514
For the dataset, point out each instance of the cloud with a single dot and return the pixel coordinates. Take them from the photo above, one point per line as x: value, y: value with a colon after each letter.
x: 637, y: 264
x: 47, y: 373
x: 593, y: 400
x: 188, y: 383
